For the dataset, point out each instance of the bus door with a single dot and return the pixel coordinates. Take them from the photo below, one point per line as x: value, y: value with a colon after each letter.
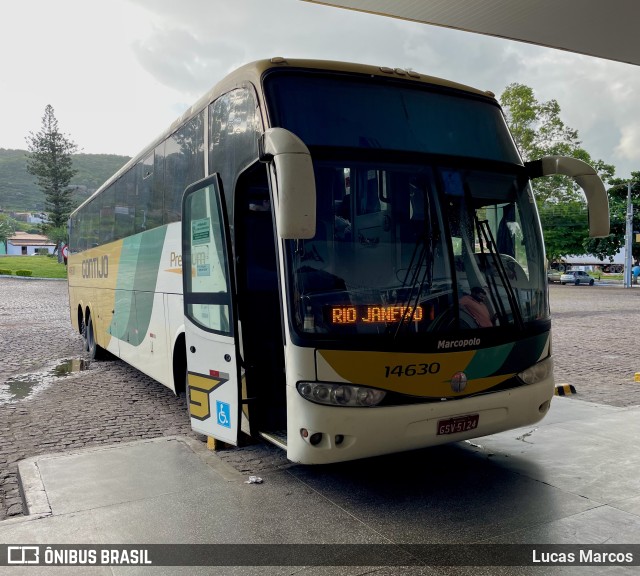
x: 210, y: 331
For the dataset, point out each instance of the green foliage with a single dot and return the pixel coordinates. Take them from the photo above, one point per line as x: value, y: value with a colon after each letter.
x: 8, y: 227
x: 51, y: 163
x: 41, y: 266
x: 565, y: 227
x: 24, y: 272
x: 613, y: 243
x: 5, y: 272
x: 536, y: 126
x: 58, y: 235
x: 18, y: 189
x: 94, y: 169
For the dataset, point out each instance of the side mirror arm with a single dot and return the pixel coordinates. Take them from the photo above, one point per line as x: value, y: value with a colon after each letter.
x: 587, y: 178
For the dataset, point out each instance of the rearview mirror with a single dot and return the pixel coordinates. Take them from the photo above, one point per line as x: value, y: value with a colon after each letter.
x: 296, y: 187
x: 587, y: 178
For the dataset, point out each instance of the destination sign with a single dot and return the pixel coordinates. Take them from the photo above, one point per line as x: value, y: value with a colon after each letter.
x: 373, y: 314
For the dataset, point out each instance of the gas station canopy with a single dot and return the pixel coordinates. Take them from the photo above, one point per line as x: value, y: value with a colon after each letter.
x: 602, y: 28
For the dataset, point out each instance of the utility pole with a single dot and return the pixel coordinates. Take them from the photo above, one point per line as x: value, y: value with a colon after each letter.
x: 628, y: 257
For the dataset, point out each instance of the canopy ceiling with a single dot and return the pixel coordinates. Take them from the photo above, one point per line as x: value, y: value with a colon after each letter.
x: 603, y: 28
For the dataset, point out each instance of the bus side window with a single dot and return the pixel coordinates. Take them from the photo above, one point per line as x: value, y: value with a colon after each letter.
x: 105, y: 204
x: 156, y: 205
x: 175, y: 179
x: 124, y: 207
x: 144, y: 195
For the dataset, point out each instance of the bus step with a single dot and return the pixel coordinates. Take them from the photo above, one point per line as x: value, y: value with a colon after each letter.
x: 277, y: 437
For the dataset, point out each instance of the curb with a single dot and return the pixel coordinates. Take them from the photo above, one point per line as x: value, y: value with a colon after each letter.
x: 565, y: 390
x: 14, y: 277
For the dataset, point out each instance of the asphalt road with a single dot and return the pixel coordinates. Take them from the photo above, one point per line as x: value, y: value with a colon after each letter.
x: 51, y: 401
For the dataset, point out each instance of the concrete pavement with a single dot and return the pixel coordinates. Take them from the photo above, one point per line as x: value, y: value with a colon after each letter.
x: 573, y: 479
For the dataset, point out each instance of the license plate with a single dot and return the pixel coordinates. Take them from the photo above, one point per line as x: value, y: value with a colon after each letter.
x: 458, y: 424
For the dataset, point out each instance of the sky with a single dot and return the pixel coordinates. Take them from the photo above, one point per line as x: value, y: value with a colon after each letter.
x: 118, y: 72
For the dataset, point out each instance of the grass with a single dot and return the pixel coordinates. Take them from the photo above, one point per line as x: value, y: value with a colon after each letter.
x: 41, y: 266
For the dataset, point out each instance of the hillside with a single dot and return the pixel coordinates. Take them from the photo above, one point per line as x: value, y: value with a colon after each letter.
x: 18, y: 190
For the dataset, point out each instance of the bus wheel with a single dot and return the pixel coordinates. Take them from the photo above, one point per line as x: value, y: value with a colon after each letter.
x: 95, y: 351
x: 83, y: 333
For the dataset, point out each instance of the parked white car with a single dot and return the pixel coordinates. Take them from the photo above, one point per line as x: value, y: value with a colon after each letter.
x: 576, y: 277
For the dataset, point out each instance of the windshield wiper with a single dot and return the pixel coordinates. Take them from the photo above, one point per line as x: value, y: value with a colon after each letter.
x: 420, y: 271
x: 485, y: 237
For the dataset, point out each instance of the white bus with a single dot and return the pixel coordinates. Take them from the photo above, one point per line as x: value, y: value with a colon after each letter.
x: 355, y: 268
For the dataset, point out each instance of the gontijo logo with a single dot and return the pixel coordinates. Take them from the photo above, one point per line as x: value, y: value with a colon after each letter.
x: 95, y: 267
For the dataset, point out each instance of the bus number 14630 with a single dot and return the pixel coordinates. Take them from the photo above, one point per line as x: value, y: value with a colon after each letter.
x: 411, y: 369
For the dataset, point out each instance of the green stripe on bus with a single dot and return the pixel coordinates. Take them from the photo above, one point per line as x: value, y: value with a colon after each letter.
x: 136, y: 285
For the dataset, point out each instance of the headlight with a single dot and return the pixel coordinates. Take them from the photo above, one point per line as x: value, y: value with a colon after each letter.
x: 340, y: 394
x: 537, y: 372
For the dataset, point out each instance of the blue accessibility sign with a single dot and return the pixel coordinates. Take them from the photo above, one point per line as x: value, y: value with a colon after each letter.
x: 223, y: 411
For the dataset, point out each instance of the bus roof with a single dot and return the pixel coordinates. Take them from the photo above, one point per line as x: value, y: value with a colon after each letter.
x: 252, y: 73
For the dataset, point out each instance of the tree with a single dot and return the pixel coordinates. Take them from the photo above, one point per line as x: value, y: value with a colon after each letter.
x: 7, y: 229
x: 59, y: 235
x: 536, y: 126
x: 51, y: 163
x: 612, y: 244
x: 565, y: 228
x: 539, y: 131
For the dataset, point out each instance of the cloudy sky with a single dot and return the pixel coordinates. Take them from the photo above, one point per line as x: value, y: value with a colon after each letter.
x: 119, y: 72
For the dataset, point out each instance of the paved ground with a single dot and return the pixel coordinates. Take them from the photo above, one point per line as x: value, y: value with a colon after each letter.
x: 109, y: 402
x: 596, y: 341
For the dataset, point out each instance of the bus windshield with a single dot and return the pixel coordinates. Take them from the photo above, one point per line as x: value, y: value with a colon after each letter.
x: 425, y: 219
x: 403, y: 249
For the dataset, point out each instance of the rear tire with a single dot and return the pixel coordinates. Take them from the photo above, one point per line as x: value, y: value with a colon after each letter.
x: 83, y: 333
x: 95, y: 351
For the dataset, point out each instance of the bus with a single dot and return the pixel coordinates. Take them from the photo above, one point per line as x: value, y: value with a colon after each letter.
x: 344, y: 260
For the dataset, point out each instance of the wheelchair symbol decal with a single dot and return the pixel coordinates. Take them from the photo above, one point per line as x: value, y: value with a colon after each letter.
x: 223, y: 410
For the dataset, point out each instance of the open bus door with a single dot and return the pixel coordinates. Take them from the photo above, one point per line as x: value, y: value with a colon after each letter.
x: 210, y: 330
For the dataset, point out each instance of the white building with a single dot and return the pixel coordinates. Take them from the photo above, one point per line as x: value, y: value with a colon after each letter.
x: 25, y: 244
